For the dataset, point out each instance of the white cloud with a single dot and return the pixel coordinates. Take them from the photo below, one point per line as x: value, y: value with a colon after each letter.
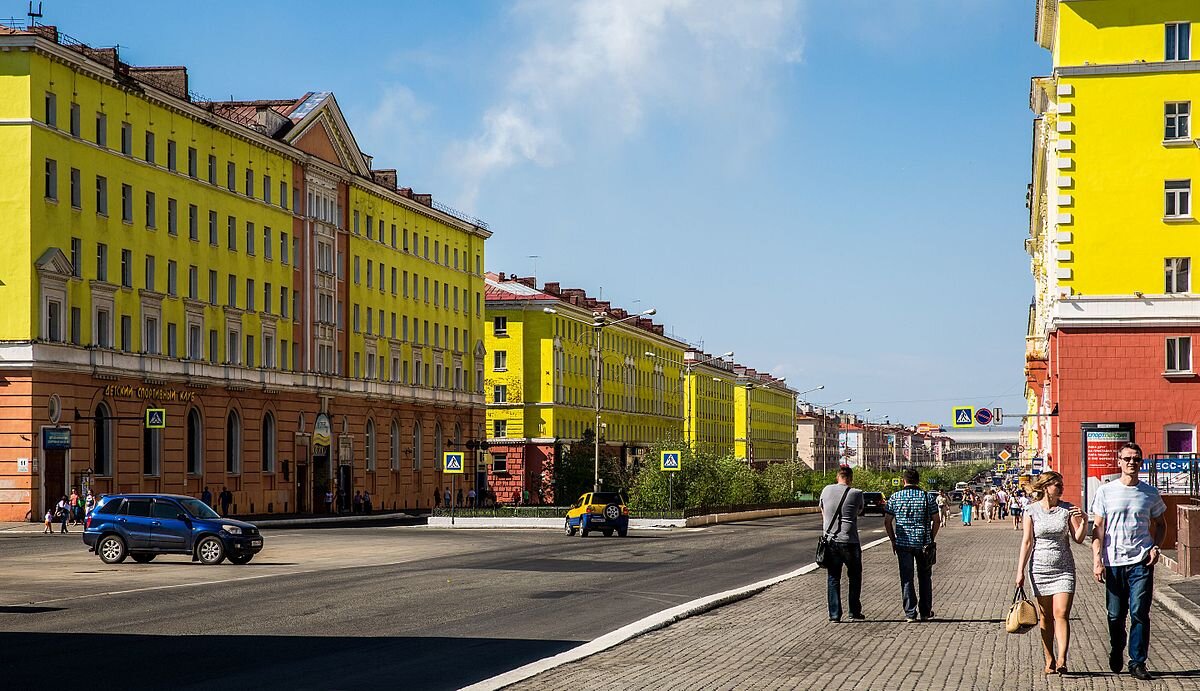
x: 398, y: 120
x: 597, y: 69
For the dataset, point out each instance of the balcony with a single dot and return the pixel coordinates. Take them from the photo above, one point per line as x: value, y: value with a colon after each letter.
x: 1036, y: 349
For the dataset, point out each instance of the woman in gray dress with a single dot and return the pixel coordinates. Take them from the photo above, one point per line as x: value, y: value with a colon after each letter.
x: 1049, y: 526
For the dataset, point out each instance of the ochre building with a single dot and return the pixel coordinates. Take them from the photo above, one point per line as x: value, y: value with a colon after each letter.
x: 310, y: 329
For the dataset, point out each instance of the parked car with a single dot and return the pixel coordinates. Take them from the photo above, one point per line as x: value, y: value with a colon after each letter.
x: 873, y: 502
x: 143, y: 526
x: 603, y: 511
x: 956, y: 496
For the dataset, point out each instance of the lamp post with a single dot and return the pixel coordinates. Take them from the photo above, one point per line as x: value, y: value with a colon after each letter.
x: 599, y: 323
x: 687, y: 374
x: 824, y: 411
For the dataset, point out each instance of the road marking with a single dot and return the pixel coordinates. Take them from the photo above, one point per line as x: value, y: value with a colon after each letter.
x: 641, y: 626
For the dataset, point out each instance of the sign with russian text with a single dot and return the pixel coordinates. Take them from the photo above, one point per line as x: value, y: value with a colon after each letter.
x: 1101, y: 442
x: 56, y: 438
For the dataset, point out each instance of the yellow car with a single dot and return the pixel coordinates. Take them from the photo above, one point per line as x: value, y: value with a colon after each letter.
x: 603, y: 511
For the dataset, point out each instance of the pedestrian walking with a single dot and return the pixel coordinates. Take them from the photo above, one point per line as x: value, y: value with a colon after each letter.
x: 1002, y: 502
x: 943, y: 508
x: 329, y: 501
x: 446, y: 497
x: 1128, y: 516
x: 1019, y: 502
x: 226, y: 498
x: 1049, y: 526
x: 357, y: 502
x: 62, y: 511
x: 911, y: 528
x: 459, y: 497
x: 49, y: 522
x: 989, y: 505
x: 968, y: 499
x: 471, y: 497
x: 841, y: 506
x: 71, y: 502
x: 89, y: 504
x: 366, y: 501
x: 206, y: 497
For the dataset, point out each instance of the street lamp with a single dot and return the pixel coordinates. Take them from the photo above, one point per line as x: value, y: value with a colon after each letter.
x: 801, y: 394
x: 598, y: 323
x: 687, y: 373
x: 825, y: 409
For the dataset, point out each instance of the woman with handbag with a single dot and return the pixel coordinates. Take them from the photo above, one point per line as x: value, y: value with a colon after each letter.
x: 1049, y: 526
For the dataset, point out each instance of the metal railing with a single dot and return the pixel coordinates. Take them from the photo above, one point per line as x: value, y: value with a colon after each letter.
x: 1174, y: 473
x: 446, y: 209
x: 735, y: 508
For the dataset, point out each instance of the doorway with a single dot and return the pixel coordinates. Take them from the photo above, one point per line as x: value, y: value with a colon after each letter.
x: 302, y: 491
x: 345, y: 488
x: 54, y: 477
x: 320, y: 484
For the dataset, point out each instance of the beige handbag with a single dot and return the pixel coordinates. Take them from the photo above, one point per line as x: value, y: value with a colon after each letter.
x: 1022, y: 616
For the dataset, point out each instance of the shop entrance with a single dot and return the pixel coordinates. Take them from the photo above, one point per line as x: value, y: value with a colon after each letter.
x: 320, y: 484
x: 345, y: 487
x: 54, y: 477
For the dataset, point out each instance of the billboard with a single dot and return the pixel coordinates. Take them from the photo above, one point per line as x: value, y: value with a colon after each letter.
x: 1101, y: 442
x: 850, y: 448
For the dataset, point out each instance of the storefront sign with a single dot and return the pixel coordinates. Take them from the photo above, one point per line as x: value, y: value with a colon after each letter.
x: 321, y: 436
x: 56, y: 438
x: 149, y: 393
x: 1101, y: 442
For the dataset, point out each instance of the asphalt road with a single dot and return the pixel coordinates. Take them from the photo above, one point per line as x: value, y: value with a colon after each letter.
x: 396, y: 607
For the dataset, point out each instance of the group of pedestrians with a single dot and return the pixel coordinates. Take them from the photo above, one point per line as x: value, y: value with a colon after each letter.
x: 911, y: 518
x: 1128, y: 527
x: 72, y: 510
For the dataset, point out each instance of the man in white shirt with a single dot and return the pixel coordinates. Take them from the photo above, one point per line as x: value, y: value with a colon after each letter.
x: 1130, y: 526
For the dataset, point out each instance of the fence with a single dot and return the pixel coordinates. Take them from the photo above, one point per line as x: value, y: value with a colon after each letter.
x: 1174, y: 473
x: 735, y: 508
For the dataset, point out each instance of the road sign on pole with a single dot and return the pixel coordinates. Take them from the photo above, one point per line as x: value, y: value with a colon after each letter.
x: 997, y: 416
x: 983, y: 417
x: 964, y: 416
x: 156, y: 418
x: 669, y: 461
x: 452, y: 462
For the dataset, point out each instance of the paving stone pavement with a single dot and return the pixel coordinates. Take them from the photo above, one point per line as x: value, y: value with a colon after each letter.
x: 782, y: 639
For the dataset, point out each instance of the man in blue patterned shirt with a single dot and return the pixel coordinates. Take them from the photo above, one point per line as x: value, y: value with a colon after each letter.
x: 910, y: 519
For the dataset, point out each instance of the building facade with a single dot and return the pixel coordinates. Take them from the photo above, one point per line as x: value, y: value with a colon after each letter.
x: 817, y: 437
x: 1114, y: 314
x: 764, y: 418
x: 309, y: 328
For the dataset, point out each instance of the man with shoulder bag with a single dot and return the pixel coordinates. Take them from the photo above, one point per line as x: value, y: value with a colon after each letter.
x: 909, y: 519
x: 841, y: 506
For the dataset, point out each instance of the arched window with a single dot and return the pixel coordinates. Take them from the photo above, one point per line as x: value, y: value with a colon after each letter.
x: 269, y: 443
x: 371, y: 445
x: 394, y: 450
x: 233, y: 443
x: 102, y: 434
x: 151, y: 450
x: 416, y: 446
x: 437, y: 446
x: 195, y: 448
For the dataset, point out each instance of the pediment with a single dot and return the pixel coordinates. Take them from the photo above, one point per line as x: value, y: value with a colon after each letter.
x: 53, y: 261
x: 321, y: 130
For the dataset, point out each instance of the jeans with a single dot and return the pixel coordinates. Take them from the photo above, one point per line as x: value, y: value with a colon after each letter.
x: 918, y: 600
x: 850, y: 555
x: 1130, y: 589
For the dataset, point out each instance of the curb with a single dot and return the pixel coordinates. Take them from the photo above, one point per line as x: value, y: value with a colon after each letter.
x: 642, y: 626
x: 1178, y: 606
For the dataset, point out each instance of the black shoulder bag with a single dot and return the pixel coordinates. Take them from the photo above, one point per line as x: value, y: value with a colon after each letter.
x: 823, y: 541
x: 930, y: 547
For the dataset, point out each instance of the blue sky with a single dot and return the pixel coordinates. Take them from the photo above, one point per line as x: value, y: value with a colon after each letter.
x: 832, y: 189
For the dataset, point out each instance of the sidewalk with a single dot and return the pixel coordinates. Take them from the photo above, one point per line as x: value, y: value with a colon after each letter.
x: 782, y: 639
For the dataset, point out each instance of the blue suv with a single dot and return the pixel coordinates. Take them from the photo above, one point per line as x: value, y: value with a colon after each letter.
x: 144, y: 526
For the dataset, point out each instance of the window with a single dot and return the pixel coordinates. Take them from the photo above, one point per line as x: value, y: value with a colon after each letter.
x: 102, y: 437
x: 193, y: 223
x: 126, y: 333
x: 151, y: 451
x: 501, y: 361
x: 101, y: 262
x: 195, y: 349
x: 195, y: 440
x: 76, y: 326
x: 54, y: 321
x: 438, y: 453
x: 212, y: 287
x: 357, y: 271
x: 149, y: 272
x: 249, y: 183
x: 231, y: 297
x: 149, y: 147
x: 1179, y: 354
x: 1178, y: 120
x: 283, y: 247
x: 172, y: 350
x: 500, y: 462
x: 283, y: 302
x: 267, y: 298
x: 267, y: 189
x: 150, y: 208
x: 126, y: 269
x: 212, y: 345
x: 192, y: 162
x: 51, y: 179
x: 212, y: 169
x: 1179, y: 203
x: 231, y: 233
x: 74, y: 119
x: 51, y: 109
x: 416, y: 446
x: 126, y: 203
x: 103, y: 335
x: 500, y: 326
x: 76, y: 257
x: 126, y: 138
x: 268, y: 352
x: 76, y: 190
x: 268, y: 443
x: 394, y: 447
x: 172, y: 216
x: 101, y: 129
x: 172, y: 278
x: 1178, y: 279
x: 233, y: 443
x: 370, y: 445
x: 283, y: 194
x: 500, y: 393
x: 231, y: 176
x: 250, y: 238
x: 267, y: 242
x: 212, y: 228
x: 150, y: 337
x: 250, y: 294
x: 500, y: 429
x: 101, y: 195
x: 1179, y: 41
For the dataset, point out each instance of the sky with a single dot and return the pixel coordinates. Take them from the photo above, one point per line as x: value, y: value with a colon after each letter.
x: 833, y: 190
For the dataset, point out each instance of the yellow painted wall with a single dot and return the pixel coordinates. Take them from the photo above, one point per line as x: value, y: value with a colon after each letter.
x: 1119, y: 31
x: 16, y: 182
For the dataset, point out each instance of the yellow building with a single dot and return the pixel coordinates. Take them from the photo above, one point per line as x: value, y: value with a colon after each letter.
x: 764, y: 418
x: 541, y: 381
x: 709, y: 403
x: 1112, y: 233
x: 307, y: 325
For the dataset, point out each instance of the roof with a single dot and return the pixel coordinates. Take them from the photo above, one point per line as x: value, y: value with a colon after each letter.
x: 512, y: 290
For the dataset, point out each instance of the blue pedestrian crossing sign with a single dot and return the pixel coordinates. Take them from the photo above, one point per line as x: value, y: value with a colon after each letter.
x: 156, y: 418
x: 452, y: 462
x: 964, y: 416
x: 669, y: 461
